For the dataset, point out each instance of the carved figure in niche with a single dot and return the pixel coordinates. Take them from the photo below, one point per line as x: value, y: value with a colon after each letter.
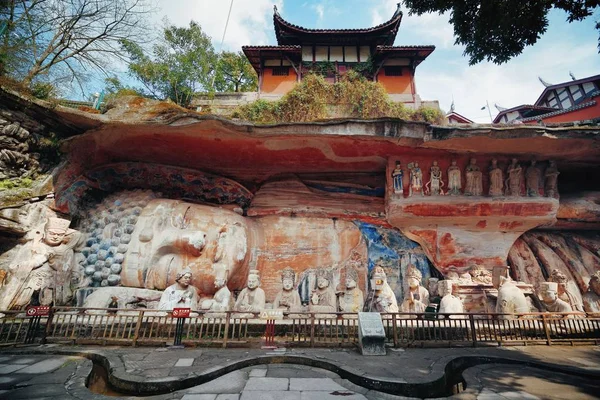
x: 454, y: 179
x: 511, y: 299
x: 181, y: 294
x: 323, y: 298
x: 496, y: 179
x: 397, y: 176
x: 251, y: 298
x: 513, y: 181
x: 352, y: 299
x: 474, y: 185
x: 222, y: 299
x: 532, y: 180
x: 567, y: 290
x: 450, y: 304
x: 591, y: 299
x: 43, y: 268
x: 384, y: 299
x: 551, y: 178
x: 416, y: 298
x: 288, y: 298
x: 548, y: 293
x: 416, y: 179
x: 435, y: 184
x: 481, y: 275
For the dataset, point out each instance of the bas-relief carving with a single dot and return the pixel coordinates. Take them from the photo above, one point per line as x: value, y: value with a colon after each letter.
x: 180, y: 294
x: 496, y: 180
x: 591, y: 298
x: 322, y: 298
x: 383, y: 299
x: 551, y: 179
x: 533, y: 180
x: 43, y: 270
x: 252, y: 297
x: 288, y: 298
x: 416, y: 179
x: 514, y: 179
x: 548, y: 293
x: 416, y: 298
x: 567, y: 290
x: 397, y: 176
x: 474, y: 183
x: 351, y: 299
x: 435, y: 183
x: 454, y: 179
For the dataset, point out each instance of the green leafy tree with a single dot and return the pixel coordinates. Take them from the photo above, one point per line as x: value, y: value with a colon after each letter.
x: 498, y: 30
x: 179, y: 65
x: 235, y: 73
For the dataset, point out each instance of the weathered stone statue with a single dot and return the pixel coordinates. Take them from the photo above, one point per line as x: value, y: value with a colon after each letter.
x: 288, y: 298
x: 433, y: 288
x: 567, y: 290
x: 435, y: 184
x: 416, y: 180
x: 551, y: 178
x: 513, y: 182
x: 252, y: 297
x: 450, y: 304
x: 481, y: 275
x: 384, y: 299
x: 181, y: 294
x: 548, y: 293
x: 352, y: 299
x: 511, y: 299
x: 454, y: 179
x: 43, y: 268
x: 532, y: 180
x: 416, y: 298
x: 474, y: 184
x: 397, y: 176
x: 222, y: 300
x: 323, y: 298
x: 496, y: 179
x: 591, y: 299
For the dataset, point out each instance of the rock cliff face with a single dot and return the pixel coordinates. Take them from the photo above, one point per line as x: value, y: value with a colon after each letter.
x: 536, y: 254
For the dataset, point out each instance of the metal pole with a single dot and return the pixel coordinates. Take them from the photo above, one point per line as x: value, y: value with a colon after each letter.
x: 489, y: 111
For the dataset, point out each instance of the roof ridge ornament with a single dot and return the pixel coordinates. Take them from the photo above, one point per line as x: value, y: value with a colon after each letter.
x: 546, y: 84
x: 275, y: 12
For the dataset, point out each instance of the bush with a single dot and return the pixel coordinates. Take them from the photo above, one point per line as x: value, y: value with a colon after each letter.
x: 43, y: 90
x: 430, y: 115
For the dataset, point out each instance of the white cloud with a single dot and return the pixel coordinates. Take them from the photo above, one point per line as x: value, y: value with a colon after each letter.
x: 320, y: 10
x: 250, y: 22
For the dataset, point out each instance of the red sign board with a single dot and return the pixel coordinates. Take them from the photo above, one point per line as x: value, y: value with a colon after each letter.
x: 38, y: 311
x: 181, y: 312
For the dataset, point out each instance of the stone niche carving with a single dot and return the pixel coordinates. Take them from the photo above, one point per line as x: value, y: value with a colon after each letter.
x: 496, y: 179
x: 474, y: 185
x: 397, y: 176
x: 515, y: 177
x: 435, y: 183
x: 416, y: 179
x: 533, y: 180
x: 454, y: 179
x: 43, y: 271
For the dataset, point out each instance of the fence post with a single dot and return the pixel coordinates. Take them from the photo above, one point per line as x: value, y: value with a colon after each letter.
x: 395, y: 330
x: 547, y: 330
x: 226, y: 333
x: 473, y: 331
x: 138, y: 325
x: 312, y: 330
x: 48, y: 325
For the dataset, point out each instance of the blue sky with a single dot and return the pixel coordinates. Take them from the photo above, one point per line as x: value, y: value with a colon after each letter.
x: 445, y: 75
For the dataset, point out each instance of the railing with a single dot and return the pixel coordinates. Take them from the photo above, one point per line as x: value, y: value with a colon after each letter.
x: 230, y: 329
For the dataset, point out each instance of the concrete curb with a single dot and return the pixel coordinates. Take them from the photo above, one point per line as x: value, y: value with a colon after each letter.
x: 446, y: 373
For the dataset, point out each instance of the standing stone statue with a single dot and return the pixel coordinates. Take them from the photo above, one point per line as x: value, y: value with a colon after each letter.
x: 496, y: 179
x: 474, y: 185
x: 416, y: 180
x: 323, y: 297
x: 397, y: 176
x: 450, y: 304
x: 435, y: 184
x: 454, y: 179
x: 181, y: 294
x: 251, y: 298
x: 384, y: 299
x: 567, y: 290
x: 416, y: 298
x: 551, y: 178
x: 513, y: 182
x: 288, y: 298
x: 532, y: 180
x: 591, y: 299
x: 352, y: 299
x: 43, y: 267
x: 548, y: 293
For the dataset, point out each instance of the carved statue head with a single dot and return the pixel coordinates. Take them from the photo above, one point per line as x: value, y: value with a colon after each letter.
x: 184, y: 278
x: 253, y: 280
x: 494, y: 163
x: 378, y: 278
x: 453, y: 162
x: 548, y: 292
x: 595, y: 283
x: 351, y: 278
x: 288, y: 278
x: 55, y: 231
x: 323, y: 278
x: 473, y: 161
x: 413, y: 276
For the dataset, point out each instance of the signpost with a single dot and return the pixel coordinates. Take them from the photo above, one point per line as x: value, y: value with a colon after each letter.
x: 270, y: 316
x: 180, y: 314
x: 36, y: 313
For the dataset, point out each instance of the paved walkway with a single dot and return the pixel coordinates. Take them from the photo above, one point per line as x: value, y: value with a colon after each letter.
x: 60, y: 372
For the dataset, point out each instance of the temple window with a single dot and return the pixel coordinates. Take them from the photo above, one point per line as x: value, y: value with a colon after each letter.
x: 281, y: 71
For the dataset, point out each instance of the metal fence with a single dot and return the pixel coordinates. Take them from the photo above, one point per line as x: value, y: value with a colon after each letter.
x: 231, y: 329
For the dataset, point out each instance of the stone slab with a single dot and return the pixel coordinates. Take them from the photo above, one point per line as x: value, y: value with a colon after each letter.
x: 270, y: 395
x: 371, y: 335
x: 258, y: 373
x: 266, y: 384
x: 184, y: 362
x: 232, y: 382
x: 228, y: 396
x: 45, y: 366
x: 203, y: 396
x: 315, y: 384
x: 10, y: 368
x: 336, y: 395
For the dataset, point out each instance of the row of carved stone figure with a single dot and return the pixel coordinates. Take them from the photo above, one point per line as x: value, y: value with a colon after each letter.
x: 511, y: 186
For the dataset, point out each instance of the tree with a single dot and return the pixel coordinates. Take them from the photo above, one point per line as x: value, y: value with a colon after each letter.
x: 181, y: 64
x: 235, y: 73
x: 67, y: 39
x: 498, y: 30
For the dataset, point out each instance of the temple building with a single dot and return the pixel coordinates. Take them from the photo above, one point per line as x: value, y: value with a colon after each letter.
x: 574, y: 100
x: 332, y: 52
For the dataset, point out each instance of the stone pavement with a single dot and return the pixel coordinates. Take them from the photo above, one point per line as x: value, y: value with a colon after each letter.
x: 58, y: 372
